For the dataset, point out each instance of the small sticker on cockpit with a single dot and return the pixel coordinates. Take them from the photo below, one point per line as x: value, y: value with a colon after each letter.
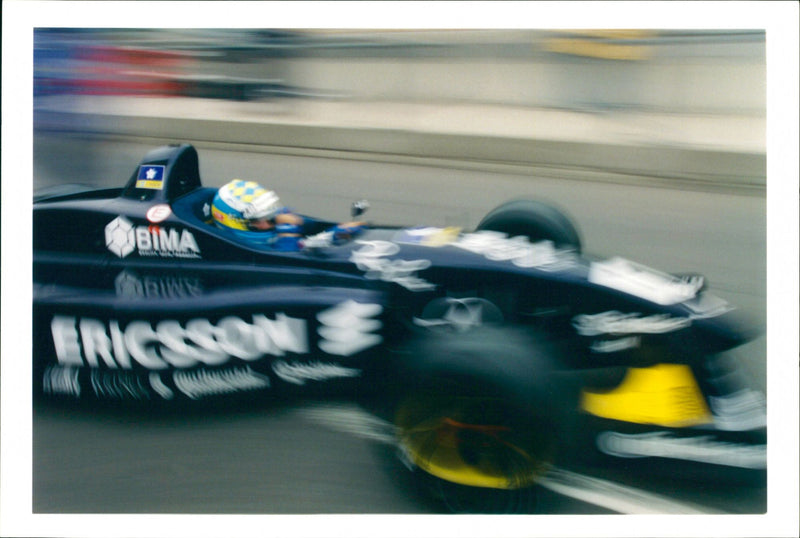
x: 429, y: 236
x: 150, y: 177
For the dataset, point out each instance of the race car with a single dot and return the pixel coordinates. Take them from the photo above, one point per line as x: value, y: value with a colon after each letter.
x: 494, y: 353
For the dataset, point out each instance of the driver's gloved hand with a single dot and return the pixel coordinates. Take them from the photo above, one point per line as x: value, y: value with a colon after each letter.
x: 347, y: 230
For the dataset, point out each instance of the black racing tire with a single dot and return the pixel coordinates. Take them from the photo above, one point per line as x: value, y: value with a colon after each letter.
x: 473, y: 452
x: 479, y: 427
x: 536, y: 220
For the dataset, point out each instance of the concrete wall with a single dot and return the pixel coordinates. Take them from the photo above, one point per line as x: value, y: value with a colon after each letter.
x: 701, y: 88
x: 714, y: 73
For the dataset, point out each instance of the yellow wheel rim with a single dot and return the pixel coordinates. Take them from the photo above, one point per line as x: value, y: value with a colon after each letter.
x: 472, y: 441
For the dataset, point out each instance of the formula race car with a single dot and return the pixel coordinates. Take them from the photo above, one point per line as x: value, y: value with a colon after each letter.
x: 494, y: 353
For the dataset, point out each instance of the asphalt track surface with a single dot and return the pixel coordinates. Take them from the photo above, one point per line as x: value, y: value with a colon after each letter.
x: 331, y: 458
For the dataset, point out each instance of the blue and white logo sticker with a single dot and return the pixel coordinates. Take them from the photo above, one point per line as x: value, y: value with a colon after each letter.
x: 428, y: 236
x: 150, y: 176
x: 123, y: 238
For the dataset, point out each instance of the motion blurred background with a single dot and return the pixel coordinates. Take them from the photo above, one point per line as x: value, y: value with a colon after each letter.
x: 665, y: 71
x: 630, y: 98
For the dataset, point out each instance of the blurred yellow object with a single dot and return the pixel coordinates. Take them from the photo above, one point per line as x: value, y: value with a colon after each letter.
x: 614, y: 34
x: 448, y: 437
x: 592, y: 49
x: 603, y: 44
x: 443, y: 237
x: 149, y: 184
x: 664, y: 394
x: 446, y: 460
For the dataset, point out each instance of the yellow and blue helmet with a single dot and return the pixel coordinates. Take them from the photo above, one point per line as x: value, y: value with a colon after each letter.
x: 239, y: 202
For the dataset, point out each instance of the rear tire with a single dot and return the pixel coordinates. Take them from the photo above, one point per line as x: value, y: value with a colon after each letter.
x: 535, y: 220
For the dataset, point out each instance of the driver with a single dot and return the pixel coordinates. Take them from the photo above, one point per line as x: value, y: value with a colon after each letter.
x: 255, y: 215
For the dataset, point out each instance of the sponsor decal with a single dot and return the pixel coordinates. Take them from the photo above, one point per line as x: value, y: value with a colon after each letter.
x: 92, y: 342
x: 704, y: 449
x: 428, y: 236
x: 742, y: 410
x: 119, y: 385
x: 199, y: 383
x: 123, y: 238
x: 150, y: 176
x: 734, y: 405
x: 497, y: 246
x: 60, y: 380
x: 372, y: 258
x: 129, y: 385
x: 159, y: 387
x: 120, y: 237
x: 349, y: 328
x: 635, y: 279
x: 298, y: 373
x: 615, y: 346
x: 158, y: 213
x: 345, y: 329
x: 130, y: 285
x: 459, y: 313
x: 614, y: 322
x: 707, y: 305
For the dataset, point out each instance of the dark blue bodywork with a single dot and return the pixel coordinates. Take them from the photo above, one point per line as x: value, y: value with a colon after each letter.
x: 135, y: 288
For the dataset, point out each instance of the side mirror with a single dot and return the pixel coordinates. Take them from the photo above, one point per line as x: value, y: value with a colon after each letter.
x: 359, y: 208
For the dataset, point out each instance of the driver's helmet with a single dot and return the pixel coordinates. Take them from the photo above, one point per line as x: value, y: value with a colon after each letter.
x: 240, y: 202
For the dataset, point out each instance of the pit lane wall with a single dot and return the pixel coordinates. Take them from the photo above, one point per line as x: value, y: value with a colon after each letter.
x: 567, y: 100
x: 731, y: 168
